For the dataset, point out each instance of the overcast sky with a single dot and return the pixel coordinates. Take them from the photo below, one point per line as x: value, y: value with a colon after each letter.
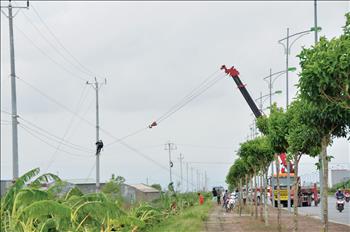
x: 152, y: 54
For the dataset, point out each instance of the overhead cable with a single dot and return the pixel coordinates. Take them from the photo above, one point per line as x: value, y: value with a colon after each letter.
x: 55, y: 48
x: 49, y: 144
x: 61, y: 44
x: 199, y: 90
x: 38, y: 130
x: 69, y: 127
x: 49, y: 57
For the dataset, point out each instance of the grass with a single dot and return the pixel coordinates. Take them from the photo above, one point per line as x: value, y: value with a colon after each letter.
x: 190, y: 219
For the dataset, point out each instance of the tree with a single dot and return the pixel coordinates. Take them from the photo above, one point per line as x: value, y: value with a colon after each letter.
x: 157, y: 186
x: 302, y: 139
x: 236, y: 176
x: 275, y: 127
x: 324, y: 86
x: 112, y: 187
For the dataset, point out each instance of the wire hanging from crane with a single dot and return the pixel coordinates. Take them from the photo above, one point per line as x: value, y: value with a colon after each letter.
x: 210, y: 81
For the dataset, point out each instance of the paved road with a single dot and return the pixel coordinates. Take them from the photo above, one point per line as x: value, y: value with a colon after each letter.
x: 333, y: 214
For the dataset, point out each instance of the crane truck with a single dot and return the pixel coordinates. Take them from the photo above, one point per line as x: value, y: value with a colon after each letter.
x: 306, y: 194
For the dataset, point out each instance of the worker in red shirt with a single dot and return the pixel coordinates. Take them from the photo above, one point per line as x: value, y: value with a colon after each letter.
x: 201, y: 199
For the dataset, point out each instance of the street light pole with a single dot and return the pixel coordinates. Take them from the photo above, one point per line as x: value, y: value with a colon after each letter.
x: 287, y: 48
x: 320, y: 160
x: 287, y: 103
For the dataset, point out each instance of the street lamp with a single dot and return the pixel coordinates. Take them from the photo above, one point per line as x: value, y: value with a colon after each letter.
x: 261, y: 106
x: 266, y: 95
x: 271, y: 81
x: 287, y: 47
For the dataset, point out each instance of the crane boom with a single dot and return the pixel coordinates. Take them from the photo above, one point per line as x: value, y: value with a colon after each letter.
x: 234, y: 74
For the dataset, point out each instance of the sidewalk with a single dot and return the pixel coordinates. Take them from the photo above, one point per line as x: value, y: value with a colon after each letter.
x: 219, y: 220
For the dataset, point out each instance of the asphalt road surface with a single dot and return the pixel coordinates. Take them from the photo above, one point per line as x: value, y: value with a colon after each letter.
x: 333, y: 214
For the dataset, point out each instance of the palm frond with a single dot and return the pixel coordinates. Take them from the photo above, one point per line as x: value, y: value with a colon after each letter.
x: 45, y: 179
x: 25, y: 197
x: 8, y: 200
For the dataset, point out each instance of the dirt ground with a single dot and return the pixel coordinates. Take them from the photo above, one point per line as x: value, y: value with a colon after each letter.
x: 219, y: 220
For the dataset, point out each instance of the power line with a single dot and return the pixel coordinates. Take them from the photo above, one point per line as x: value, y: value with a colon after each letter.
x: 55, y: 101
x: 126, y: 136
x: 53, y: 137
x: 188, y: 95
x: 148, y: 158
x: 54, y: 47
x: 49, y: 144
x: 191, y: 96
x: 79, y: 103
x: 61, y: 44
x: 49, y: 57
x: 78, y: 116
x: 214, y: 163
x: 6, y: 112
x: 205, y: 146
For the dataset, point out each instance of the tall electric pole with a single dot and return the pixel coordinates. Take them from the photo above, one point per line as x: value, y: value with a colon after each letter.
x: 170, y: 147
x: 187, y: 177
x: 10, y: 16
x: 192, y: 179
x: 198, y: 184
x: 96, y: 85
x: 181, y: 157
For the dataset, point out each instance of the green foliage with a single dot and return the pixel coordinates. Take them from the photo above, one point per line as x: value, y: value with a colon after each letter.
x: 277, y: 130
x: 254, y: 156
x: 112, y: 187
x: 324, y: 84
x: 301, y: 138
x: 157, y: 186
x: 31, y: 209
x: 73, y: 192
x: 41, y: 211
x: 342, y: 185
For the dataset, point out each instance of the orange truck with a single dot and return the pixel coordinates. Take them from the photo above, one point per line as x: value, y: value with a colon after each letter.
x: 307, y: 194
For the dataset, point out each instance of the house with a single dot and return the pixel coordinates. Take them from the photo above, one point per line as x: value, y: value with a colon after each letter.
x: 139, y: 192
x: 84, y: 185
x: 5, y: 184
x: 339, y: 175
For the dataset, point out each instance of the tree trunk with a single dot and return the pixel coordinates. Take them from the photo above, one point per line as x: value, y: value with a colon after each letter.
x: 240, y: 197
x: 296, y: 191
x: 265, y: 199
x: 251, y: 197
x: 255, y: 198
x: 246, y: 192
x: 261, y: 196
x: 279, y: 226
x: 324, y: 145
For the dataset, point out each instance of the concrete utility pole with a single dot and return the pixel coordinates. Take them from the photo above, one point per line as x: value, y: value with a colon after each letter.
x: 192, y: 183
x: 198, y: 184
x: 181, y: 157
x: 96, y: 85
x: 10, y: 16
x: 187, y: 177
x: 170, y: 146
x: 205, y: 181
